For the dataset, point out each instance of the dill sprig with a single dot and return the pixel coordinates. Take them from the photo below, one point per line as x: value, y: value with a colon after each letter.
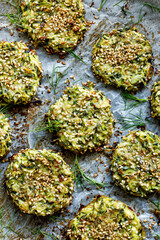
x: 132, y: 122
x: 55, y: 219
x: 80, y: 176
x: 56, y: 77
x: 75, y: 55
x: 157, y: 204
x: 140, y: 17
x: 38, y: 230
x: 5, y: 108
x: 44, y: 126
x: 8, y: 226
x: 118, y: 3
x: 134, y: 101
x: 14, y: 18
x: 103, y: 2
x: 123, y: 8
x: 154, y: 8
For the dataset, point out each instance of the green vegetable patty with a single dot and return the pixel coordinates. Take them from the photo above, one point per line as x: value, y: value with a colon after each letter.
x: 105, y: 218
x: 58, y: 25
x: 39, y: 181
x: 136, y: 163
x: 20, y: 73
x: 5, y: 135
x: 155, y: 100
x: 123, y: 58
x: 82, y: 119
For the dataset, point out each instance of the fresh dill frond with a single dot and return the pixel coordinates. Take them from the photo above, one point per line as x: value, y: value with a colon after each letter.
x: 8, y: 227
x: 132, y: 122
x: 154, y: 8
x: 38, y: 230
x: 5, y: 108
x: 55, y: 219
x: 141, y: 16
x: 123, y: 8
x: 56, y: 77
x: 157, y: 204
x: 80, y: 176
x: 75, y: 55
x: 134, y: 101
x: 118, y: 3
x: 44, y: 126
x: 77, y: 81
x: 103, y: 2
x: 14, y: 18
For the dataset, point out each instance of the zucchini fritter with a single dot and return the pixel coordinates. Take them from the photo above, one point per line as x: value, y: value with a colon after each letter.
x: 58, y: 25
x: 136, y: 163
x: 105, y: 218
x: 155, y: 100
x: 20, y: 73
x: 5, y: 135
x: 82, y: 119
x: 123, y: 58
x: 39, y: 181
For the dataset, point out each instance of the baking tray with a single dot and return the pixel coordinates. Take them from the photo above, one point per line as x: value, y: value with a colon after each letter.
x: 13, y: 223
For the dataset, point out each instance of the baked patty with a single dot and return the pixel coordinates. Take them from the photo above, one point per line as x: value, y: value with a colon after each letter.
x: 155, y: 100
x: 39, y: 181
x: 58, y: 25
x: 136, y: 163
x: 123, y: 58
x: 105, y: 218
x: 5, y: 135
x: 82, y: 119
x: 20, y: 73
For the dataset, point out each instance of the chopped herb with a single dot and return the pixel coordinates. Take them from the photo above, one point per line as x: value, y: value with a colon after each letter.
x: 38, y: 230
x: 134, y: 101
x: 157, y: 204
x: 77, y: 81
x: 55, y: 219
x: 80, y: 176
x: 56, y: 77
x: 154, y: 8
x: 5, y: 108
x: 75, y: 55
x: 13, y: 17
x: 123, y: 8
x: 118, y: 3
x: 43, y: 127
x: 132, y: 122
x: 8, y: 226
x: 141, y: 16
x: 103, y: 2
